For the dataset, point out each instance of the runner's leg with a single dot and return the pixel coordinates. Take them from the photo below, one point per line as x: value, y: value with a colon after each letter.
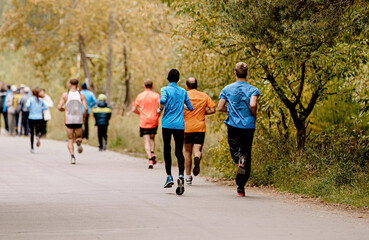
x: 197, y: 150
x: 179, y: 139
x: 233, y: 142
x: 246, y: 146
x: 152, y: 143
x: 100, y: 136
x: 31, y: 131
x: 70, y: 133
x: 167, y: 135
x: 78, y: 136
x: 188, y: 157
x: 146, y: 139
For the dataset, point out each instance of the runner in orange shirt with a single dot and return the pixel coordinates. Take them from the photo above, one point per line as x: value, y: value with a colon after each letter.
x: 146, y: 105
x: 195, y: 127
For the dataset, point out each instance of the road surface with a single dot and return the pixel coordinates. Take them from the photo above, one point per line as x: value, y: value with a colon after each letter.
x: 113, y: 196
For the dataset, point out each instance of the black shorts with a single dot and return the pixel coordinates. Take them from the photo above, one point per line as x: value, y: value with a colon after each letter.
x: 73, y: 126
x: 195, y: 138
x: 148, y: 131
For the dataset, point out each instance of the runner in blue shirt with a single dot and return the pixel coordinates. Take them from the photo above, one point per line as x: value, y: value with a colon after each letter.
x: 241, y: 110
x: 35, y: 106
x: 172, y: 101
x: 91, y: 102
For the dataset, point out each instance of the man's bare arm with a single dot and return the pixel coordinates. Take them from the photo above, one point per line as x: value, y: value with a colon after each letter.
x: 62, y: 101
x: 254, y: 105
x: 85, y: 107
x: 222, y: 106
x: 135, y: 110
x: 209, y: 111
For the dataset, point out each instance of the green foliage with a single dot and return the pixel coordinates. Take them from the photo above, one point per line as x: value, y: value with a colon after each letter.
x: 302, y: 48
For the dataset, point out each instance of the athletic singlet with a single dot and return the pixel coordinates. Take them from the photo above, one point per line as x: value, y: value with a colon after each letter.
x: 73, y: 108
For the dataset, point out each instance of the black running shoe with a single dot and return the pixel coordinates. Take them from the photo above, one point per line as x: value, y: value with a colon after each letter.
x: 180, y: 189
x: 196, y: 168
x: 241, y: 171
x: 241, y: 191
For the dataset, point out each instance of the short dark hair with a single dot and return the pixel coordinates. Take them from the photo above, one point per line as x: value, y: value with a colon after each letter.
x: 148, y: 83
x: 84, y: 85
x: 241, y: 70
x: 74, y: 82
x: 173, y: 75
x: 191, y: 83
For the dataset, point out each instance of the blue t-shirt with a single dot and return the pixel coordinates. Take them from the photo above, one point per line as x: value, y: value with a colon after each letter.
x: 174, y: 98
x: 90, y: 99
x: 238, y: 96
x: 35, y: 108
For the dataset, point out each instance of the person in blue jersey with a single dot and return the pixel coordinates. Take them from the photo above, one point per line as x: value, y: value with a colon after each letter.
x: 35, y: 106
x: 241, y: 110
x: 91, y: 102
x: 173, y: 101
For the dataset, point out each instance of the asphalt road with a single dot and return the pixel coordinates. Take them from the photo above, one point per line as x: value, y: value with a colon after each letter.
x: 107, y: 195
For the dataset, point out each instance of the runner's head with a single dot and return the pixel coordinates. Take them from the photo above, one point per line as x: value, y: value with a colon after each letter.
x: 13, y: 88
x: 148, y: 84
x: 101, y: 97
x: 42, y: 93
x: 173, y: 75
x: 84, y: 85
x: 73, y: 83
x: 191, y: 83
x: 35, y: 92
x: 241, y: 70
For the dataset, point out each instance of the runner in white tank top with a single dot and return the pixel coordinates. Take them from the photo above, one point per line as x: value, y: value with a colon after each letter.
x: 74, y: 117
x: 73, y: 108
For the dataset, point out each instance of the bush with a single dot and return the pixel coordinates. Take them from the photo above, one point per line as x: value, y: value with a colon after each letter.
x: 334, y: 166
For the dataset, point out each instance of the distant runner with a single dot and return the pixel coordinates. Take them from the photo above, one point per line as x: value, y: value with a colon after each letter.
x: 146, y: 105
x: 102, y: 114
x: 91, y: 102
x: 241, y: 111
x: 74, y: 117
x: 195, y: 127
x: 173, y: 99
x: 35, y: 106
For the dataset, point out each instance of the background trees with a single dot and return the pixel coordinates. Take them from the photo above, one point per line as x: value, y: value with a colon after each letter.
x: 304, y: 49
x: 115, y: 41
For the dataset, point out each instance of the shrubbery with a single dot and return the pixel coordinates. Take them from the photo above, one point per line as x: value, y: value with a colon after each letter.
x: 334, y: 166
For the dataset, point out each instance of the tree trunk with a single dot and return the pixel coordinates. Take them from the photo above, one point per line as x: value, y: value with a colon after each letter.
x: 127, y: 79
x: 86, y: 70
x: 110, y: 56
x: 301, y: 138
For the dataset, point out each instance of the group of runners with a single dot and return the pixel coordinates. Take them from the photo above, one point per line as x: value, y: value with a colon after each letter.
x: 184, y: 120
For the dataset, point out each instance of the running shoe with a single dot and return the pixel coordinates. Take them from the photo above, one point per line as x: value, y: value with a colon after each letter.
x: 38, y: 143
x: 196, y: 168
x: 169, y: 183
x: 241, y: 171
x: 151, y: 164
x: 79, y: 148
x: 72, y: 160
x: 180, y: 189
x: 189, y: 180
x: 153, y: 159
x: 241, y: 191
x: 32, y: 151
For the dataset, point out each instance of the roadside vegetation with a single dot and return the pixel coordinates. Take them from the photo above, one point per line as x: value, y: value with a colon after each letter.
x: 309, y: 59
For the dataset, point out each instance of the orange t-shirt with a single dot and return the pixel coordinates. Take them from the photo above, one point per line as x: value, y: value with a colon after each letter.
x: 148, y: 103
x: 195, y: 120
